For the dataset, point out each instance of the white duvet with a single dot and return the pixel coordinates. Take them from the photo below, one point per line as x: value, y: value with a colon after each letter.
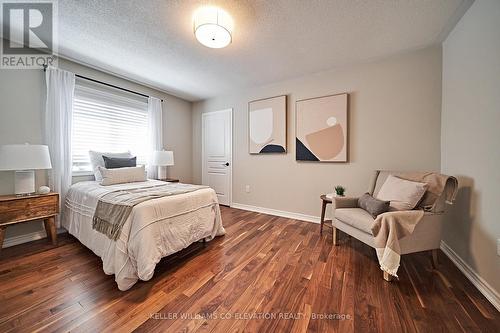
x: 155, y: 228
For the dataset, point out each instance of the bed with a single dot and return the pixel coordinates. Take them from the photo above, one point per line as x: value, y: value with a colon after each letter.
x: 154, y: 229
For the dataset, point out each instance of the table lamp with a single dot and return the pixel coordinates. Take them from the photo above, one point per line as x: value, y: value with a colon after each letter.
x: 163, y: 159
x: 24, y: 159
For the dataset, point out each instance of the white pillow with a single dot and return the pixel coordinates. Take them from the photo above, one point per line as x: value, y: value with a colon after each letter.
x: 122, y: 175
x: 403, y: 194
x: 96, y: 160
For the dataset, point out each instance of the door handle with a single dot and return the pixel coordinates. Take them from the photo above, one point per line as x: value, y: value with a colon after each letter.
x: 226, y: 164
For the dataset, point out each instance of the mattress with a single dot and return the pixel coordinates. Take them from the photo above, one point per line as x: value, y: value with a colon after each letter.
x: 155, y: 228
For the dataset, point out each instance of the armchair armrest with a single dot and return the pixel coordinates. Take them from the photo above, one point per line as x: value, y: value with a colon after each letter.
x: 343, y: 202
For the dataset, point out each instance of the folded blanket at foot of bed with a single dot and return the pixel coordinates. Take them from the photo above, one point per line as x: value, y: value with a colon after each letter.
x: 114, y: 208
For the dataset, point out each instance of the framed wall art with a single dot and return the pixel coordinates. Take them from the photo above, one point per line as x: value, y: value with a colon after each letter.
x: 267, y: 125
x: 321, y: 129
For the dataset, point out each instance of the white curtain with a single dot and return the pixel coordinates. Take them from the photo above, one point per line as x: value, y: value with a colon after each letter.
x: 58, y: 123
x: 155, y: 133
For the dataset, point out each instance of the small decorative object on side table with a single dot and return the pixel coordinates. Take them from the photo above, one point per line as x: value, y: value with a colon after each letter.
x: 340, y: 190
x: 18, y: 209
x: 325, y: 201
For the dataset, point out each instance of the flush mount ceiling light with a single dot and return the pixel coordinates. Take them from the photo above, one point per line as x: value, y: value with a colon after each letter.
x: 213, y: 27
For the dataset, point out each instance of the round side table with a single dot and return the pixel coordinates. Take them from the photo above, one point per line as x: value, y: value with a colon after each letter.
x: 324, y: 201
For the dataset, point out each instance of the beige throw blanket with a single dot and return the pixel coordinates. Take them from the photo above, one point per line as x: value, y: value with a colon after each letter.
x: 390, y: 227
x: 114, y: 208
x: 437, y: 183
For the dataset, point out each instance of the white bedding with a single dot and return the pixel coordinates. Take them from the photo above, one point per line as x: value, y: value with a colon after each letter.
x: 155, y: 228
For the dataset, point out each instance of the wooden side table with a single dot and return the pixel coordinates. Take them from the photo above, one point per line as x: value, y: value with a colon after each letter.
x: 19, y: 209
x: 325, y: 201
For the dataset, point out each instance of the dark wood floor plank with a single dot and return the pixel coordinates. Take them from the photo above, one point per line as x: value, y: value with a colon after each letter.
x: 264, y: 267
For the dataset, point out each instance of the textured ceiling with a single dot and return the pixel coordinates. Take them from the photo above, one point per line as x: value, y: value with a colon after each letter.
x: 152, y: 41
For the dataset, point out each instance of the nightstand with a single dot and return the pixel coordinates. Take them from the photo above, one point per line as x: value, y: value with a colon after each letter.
x: 170, y: 180
x: 19, y: 209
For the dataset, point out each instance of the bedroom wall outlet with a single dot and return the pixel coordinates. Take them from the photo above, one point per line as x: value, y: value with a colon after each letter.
x: 247, y: 188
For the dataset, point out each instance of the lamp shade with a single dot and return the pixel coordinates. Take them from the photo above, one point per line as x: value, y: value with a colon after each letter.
x: 213, y: 27
x: 163, y: 158
x: 24, y: 157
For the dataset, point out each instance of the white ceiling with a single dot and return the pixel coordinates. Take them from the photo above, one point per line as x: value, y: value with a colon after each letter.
x: 152, y: 41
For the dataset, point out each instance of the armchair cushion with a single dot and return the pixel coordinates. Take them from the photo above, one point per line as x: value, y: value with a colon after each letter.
x: 373, y: 206
x: 355, y: 217
x: 403, y: 194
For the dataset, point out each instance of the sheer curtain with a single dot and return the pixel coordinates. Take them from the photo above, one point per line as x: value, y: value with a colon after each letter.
x: 155, y: 134
x: 58, y: 121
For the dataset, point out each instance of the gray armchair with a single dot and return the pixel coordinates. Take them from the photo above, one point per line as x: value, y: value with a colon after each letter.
x: 354, y: 221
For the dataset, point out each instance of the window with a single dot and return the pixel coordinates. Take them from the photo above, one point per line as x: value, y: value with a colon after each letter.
x: 107, y: 120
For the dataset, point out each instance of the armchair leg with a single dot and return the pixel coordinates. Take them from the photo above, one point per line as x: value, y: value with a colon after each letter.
x: 387, y: 277
x: 435, y: 262
x: 334, y: 235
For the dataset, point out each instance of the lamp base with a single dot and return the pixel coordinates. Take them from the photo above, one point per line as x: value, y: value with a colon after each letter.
x: 24, y: 182
x: 162, y: 172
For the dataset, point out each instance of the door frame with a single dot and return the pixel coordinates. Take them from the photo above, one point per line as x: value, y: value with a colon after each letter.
x: 203, y: 116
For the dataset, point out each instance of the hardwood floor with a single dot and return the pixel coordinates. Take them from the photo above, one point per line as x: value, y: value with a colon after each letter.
x: 279, y: 271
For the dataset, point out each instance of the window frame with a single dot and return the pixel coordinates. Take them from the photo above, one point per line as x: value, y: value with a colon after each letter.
x: 124, y: 99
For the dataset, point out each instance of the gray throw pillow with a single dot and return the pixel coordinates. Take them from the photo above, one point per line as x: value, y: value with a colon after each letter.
x: 119, y: 162
x: 373, y: 206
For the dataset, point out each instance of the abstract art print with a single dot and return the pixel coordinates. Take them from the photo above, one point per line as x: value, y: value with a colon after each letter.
x: 321, y: 129
x: 267, y: 125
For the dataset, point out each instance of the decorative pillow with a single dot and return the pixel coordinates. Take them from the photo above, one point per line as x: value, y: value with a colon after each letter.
x: 119, y: 162
x: 373, y: 206
x: 122, y: 175
x: 403, y: 194
x: 96, y: 160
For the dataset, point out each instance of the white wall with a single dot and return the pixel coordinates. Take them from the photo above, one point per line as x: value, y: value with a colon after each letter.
x: 470, y: 137
x: 394, y: 121
x: 22, y: 104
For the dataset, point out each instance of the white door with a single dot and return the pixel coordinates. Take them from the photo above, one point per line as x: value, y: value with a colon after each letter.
x: 217, y: 153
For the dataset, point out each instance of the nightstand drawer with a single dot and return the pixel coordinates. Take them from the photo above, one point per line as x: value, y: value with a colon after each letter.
x: 28, y: 208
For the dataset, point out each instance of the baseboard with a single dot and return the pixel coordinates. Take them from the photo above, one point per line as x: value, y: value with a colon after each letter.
x: 275, y: 212
x: 484, y: 288
x: 33, y: 236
